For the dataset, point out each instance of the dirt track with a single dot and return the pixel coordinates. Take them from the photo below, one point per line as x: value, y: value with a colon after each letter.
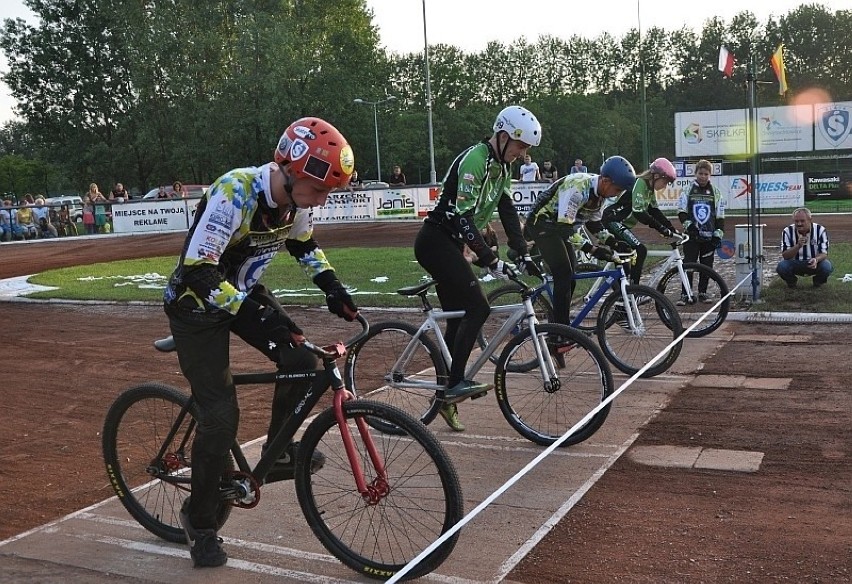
x: 787, y: 523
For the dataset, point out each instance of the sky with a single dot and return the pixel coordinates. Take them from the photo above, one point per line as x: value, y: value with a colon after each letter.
x: 471, y: 24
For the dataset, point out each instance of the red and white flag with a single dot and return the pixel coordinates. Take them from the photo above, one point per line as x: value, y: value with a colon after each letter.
x: 726, y: 61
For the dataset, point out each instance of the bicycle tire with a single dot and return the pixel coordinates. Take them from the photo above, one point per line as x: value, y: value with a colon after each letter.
x: 590, y: 322
x: 543, y: 414
x: 423, y: 496
x: 670, y: 285
x: 510, y: 294
x: 629, y: 351
x: 134, y: 429
x: 379, y: 351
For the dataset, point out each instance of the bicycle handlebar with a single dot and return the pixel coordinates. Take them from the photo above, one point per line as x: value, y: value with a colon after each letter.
x: 332, y: 351
x: 337, y: 350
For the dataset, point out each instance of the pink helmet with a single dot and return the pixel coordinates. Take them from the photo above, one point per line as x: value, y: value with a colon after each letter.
x: 665, y: 168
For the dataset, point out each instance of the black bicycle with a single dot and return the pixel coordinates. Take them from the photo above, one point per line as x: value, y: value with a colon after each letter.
x: 378, y: 502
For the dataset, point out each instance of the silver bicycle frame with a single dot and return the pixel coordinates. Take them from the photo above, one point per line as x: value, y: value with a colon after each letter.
x: 517, y: 313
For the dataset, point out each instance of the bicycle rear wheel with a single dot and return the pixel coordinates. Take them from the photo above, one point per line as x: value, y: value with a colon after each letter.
x: 630, y: 349
x: 417, y: 500
x: 372, y: 370
x: 692, y: 309
x: 150, y: 486
x: 506, y: 295
x: 542, y: 405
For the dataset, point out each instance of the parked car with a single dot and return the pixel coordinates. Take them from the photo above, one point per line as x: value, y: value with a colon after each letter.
x: 75, y: 205
x: 189, y: 191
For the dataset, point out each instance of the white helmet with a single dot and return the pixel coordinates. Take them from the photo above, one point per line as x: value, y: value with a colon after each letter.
x: 520, y: 124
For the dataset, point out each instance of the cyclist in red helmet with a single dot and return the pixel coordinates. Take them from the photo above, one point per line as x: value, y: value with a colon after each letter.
x: 639, y: 204
x: 245, y: 218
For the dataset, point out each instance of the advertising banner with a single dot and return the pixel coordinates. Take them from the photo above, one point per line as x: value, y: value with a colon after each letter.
x: 785, y: 129
x: 164, y: 215
x: 395, y: 203
x: 710, y: 133
x: 346, y: 206
x: 833, y: 123
x: 828, y: 185
x: 774, y: 191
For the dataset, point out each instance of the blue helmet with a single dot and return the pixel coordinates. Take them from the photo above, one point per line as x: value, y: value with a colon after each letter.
x: 619, y: 170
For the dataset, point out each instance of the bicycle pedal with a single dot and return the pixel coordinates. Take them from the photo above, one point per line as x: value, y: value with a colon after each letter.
x: 479, y: 395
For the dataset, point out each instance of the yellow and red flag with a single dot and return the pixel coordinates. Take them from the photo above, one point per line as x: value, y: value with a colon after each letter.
x: 777, y: 61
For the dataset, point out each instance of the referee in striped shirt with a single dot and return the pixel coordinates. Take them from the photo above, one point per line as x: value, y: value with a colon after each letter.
x: 804, y: 250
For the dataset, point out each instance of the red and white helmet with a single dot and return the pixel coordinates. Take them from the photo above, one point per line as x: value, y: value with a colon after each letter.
x: 664, y: 167
x: 315, y: 149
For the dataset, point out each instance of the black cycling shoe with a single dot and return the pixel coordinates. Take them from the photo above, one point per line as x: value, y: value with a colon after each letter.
x: 557, y: 346
x: 205, y: 545
x: 285, y: 467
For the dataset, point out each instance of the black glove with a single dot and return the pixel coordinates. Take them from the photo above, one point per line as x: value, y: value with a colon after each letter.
x: 691, y: 229
x: 529, y: 267
x: 622, y: 247
x: 716, y: 241
x: 503, y: 270
x: 337, y: 299
x: 602, y: 253
x: 271, y: 323
x: 667, y: 232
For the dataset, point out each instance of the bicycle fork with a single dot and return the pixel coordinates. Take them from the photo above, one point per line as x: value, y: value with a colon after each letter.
x: 380, y: 487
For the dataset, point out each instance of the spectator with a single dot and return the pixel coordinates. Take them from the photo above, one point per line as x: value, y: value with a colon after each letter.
x: 11, y: 229
x: 548, y: 171
x: 89, y: 214
x: 397, y: 178
x: 162, y: 194
x: 578, y: 167
x: 44, y: 224
x: 354, y: 182
x: 701, y: 210
x: 118, y: 194
x: 804, y: 251
x: 529, y: 171
x: 101, y: 210
x: 177, y: 190
x: 26, y: 219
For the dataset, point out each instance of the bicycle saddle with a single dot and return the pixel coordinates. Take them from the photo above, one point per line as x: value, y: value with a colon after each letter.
x: 415, y: 290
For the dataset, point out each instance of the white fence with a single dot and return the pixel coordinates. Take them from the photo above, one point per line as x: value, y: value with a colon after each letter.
x: 412, y: 203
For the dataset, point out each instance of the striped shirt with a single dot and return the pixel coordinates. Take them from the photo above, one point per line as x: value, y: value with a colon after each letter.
x: 818, y: 242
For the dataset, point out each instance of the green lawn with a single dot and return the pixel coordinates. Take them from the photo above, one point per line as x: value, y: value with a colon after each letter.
x: 373, y: 275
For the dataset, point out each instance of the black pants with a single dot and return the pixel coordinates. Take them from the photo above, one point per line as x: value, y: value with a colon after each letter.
x: 458, y: 289
x: 623, y: 233
x: 203, y: 347
x: 703, y: 252
x: 558, y: 253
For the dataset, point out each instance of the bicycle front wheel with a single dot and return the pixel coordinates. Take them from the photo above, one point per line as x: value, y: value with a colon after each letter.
x: 656, y: 324
x: 544, y: 401
x: 506, y: 295
x: 152, y: 486
x: 407, y: 507
x: 375, y: 369
x: 693, y: 306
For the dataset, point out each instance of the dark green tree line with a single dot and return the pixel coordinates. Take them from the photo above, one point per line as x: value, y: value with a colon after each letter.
x: 146, y: 92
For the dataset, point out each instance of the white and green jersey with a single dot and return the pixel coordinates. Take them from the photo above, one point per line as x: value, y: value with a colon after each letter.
x: 233, y: 239
x: 571, y: 200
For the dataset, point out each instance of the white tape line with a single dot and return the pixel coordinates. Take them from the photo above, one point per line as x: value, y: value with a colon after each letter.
x: 546, y: 452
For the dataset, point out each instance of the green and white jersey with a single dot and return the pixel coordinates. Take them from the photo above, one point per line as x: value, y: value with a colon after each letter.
x: 475, y: 182
x: 569, y: 201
